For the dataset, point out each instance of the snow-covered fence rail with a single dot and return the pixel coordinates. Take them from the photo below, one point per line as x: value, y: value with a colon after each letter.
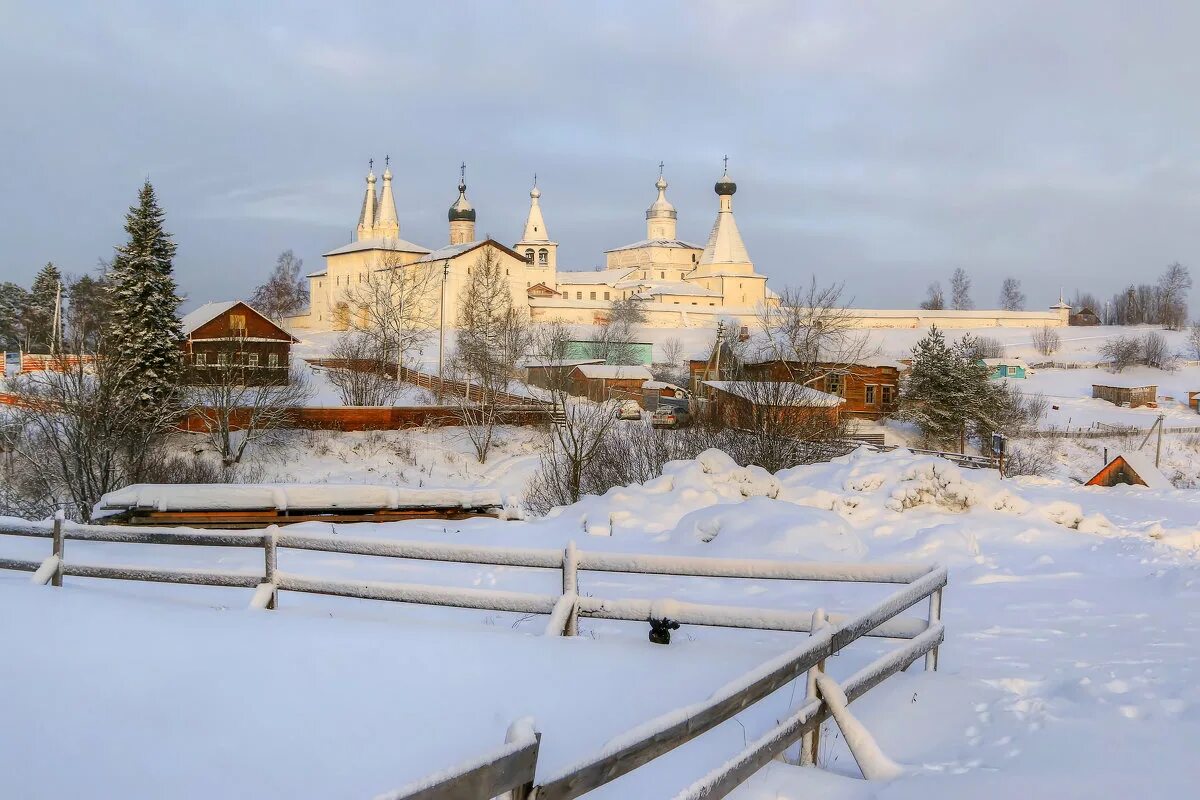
x: 829, y: 634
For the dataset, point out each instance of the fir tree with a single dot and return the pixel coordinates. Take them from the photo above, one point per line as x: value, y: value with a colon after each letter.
x: 39, y: 313
x: 948, y: 394
x: 143, y: 329
x: 14, y: 300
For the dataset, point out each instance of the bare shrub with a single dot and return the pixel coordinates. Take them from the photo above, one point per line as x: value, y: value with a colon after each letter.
x: 1121, y: 352
x: 986, y: 347
x: 1193, y: 341
x: 1046, y: 340
x: 1033, y: 457
x: 1155, y: 353
x: 362, y: 378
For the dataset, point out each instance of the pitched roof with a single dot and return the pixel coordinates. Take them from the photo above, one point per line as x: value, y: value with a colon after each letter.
x: 210, y: 311
x: 650, y: 288
x: 609, y: 277
x: 774, y: 393
x: 615, y: 371
x: 673, y: 243
x: 725, y: 244
x: 378, y: 243
x: 1143, y: 467
x: 455, y: 250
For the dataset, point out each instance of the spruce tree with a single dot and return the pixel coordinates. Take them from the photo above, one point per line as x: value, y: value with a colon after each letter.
x: 143, y: 330
x: 40, y: 311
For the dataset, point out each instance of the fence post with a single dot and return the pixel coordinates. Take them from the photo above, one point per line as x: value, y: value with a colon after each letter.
x: 811, y: 741
x: 271, y: 558
x: 58, y: 548
x: 935, y: 615
x: 570, y: 585
x: 517, y: 731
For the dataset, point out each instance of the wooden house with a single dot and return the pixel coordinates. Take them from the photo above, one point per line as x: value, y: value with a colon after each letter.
x: 550, y: 373
x: 1133, y: 469
x: 870, y: 391
x: 1127, y: 394
x: 1005, y: 367
x: 750, y: 405
x: 232, y: 335
x: 1084, y: 316
x: 600, y: 382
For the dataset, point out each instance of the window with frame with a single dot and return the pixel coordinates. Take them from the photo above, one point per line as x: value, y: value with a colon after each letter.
x: 272, y: 359
x: 870, y: 394
x: 1012, y: 371
x: 237, y: 323
x: 833, y: 384
x: 223, y: 359
x: 579, y: 295
x: 591, y: 295
x: 888, y: 394
x: 606, y: 295
x: 198, y: 359
x: 543, y: 257
x: 529, y: 255
x: 252, y: 359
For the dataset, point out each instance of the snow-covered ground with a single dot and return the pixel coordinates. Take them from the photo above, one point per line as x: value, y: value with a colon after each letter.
x: 1069, y: 669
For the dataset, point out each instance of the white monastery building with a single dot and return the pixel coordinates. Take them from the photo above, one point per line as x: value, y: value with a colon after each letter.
x: 678, y: 283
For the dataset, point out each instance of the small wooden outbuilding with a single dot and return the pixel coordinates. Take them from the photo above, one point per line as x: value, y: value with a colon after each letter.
x: 1127, y: 395
x: 1133, y: 469
x: 600, y: 382
x: 1084, y: 316
x: 750, y: 404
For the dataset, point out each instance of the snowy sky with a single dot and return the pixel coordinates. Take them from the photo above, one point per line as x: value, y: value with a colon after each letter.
x: 882, y: 144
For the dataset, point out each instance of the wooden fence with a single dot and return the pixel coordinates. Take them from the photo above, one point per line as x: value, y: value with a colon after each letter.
x: 425, y: 380
x: 512, y: 767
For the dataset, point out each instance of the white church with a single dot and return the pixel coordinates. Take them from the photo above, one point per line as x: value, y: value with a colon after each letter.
x: 678, y: 282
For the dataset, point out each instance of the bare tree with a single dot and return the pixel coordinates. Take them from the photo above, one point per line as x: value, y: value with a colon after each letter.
x: 397, y: 307
x: 576, y: 440
x: 235, y: 402
x: 1193, y: 341
x: 671, y: 367
x: 960, y: 291
x: 1046, y: 340
x: 361, y: 376
x: 81, y: 430
x: 615, y: 335
x: 284, y: 292
x: 493, y: 336
x: 934, y: 299
x: 1155, y: 353
x: 810, y: 335
x: 1121, y: 352
x: 1011, y: 296
x: 1173, y: 287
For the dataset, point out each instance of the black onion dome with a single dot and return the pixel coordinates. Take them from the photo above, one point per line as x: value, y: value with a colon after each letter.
x: 462, y: 211
x: 725, y: 185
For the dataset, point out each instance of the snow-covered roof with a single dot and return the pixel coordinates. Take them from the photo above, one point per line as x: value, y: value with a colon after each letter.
x: 1143, y: 465
x: 778, y: 394
x: 615, y: 371
x: 1007, y: 361
x: 679, y: 244
x: 725, y: 245
x: 651, y: 288
x: 378, y: 243
x: 605, y: 276
x: 204, y: 313
x: 559, y: 362
x: 228, y: 496
x: 662, y: 385
x: 1120, y: 382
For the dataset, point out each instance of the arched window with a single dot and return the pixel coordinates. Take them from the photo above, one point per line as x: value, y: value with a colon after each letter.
x: 543, y: 257
x: 529, y: 255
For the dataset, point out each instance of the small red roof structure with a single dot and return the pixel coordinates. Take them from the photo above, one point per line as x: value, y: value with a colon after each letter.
x: 1133, y: 469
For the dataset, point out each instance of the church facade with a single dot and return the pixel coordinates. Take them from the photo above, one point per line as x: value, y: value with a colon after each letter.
x: 677, y: 282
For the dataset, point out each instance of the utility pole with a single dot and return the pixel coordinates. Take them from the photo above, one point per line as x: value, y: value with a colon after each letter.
x: 442, y: 332
x: 56, y: 334
x: 1158, y: 447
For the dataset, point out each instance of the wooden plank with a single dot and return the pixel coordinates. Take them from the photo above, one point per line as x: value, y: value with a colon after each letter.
x: 197, y: 577
x: 765, y: 569
x: 482, y: 599
x: 673, y: 732
x: 808, y: 718
x: 426, y: 551
x: 58, y: 549
x: 512, y: 769
x: 20, y: 565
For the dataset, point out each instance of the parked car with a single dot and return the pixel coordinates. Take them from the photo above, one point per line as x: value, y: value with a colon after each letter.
x: 670, y: 417
x: 629, y: 409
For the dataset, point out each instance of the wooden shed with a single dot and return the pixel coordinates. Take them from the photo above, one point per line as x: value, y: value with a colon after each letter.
x: 233, y: 335
x: 869, y: 390
x: 548, y: 373
x: 750, y: 405
x: 1084, y: 316
x: 600, y: 382
x: 1133, y: 469
x: 1127, y: 395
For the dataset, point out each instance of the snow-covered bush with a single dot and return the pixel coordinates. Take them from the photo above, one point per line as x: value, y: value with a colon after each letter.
x: 1046, y: 340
